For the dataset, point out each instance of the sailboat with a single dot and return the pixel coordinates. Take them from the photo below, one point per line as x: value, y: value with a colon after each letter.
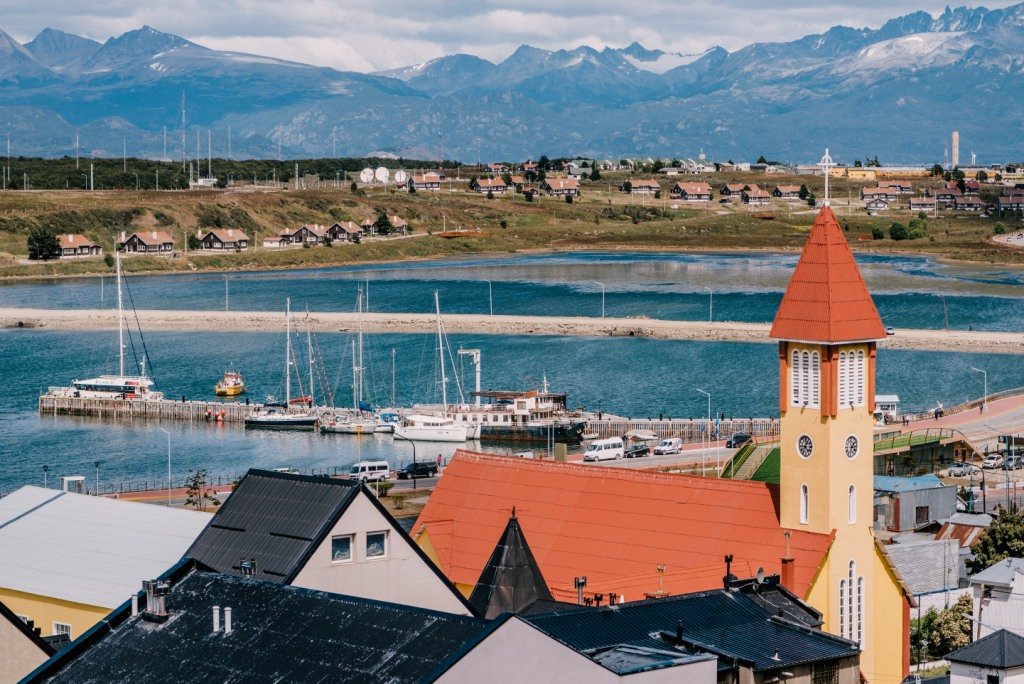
x: 121, y: 386
x: 424, y: 428
x: 354, y: 423
x: 281, y: 416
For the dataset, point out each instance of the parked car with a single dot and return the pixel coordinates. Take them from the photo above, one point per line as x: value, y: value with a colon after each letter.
x: 960, y: 469
x: 889, y: 330
x: 419, y: 469
x: 604, y: 450
x: 992, y: 461
x: 636, y: 451
x: 1013, y: 463
x: 737, y: 440
x: 672, y: 445
x: 370, y: 471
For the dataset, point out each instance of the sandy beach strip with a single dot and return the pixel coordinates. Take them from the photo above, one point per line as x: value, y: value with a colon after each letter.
x: 273, y: 321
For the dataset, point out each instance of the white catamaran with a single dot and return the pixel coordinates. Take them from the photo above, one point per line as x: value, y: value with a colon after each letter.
x: 281, y: 416
x: 121, y: 386
x: 425, y: 428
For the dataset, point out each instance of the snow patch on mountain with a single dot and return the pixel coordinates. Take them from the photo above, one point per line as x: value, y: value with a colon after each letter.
x: 917, y: 51
x: 665, y: 62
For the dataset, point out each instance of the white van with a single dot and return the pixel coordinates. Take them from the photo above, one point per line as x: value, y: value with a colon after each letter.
x: 673, y: 445
x: 370, y: 471
x: 604, y: 450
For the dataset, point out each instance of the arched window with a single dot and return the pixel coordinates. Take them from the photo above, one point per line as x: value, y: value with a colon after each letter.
x: 843, y: 394
x: 804, y: 503
x: 794, y: 377
x: 852, y: 505
x: 805, y: 377
x: 842, y: 608
x: 815, y: 382
x: 859, y: 636
x: 851, y: 603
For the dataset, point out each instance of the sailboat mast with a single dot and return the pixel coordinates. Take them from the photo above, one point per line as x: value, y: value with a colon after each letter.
x: 120, y: 320
x: 355, y: 379
x: 392, y: 376
x: 309, y: 353
x: 288, y: 352
x: 440, y: 353
x: 359, y: 377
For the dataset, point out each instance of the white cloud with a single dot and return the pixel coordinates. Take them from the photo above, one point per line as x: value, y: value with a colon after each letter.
x: 368, y: 36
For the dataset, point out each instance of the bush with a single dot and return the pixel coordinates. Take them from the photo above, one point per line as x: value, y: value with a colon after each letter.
x: 193, y: 242
x: 898, y: 231
x: 381, y: 488
x: 353, y: 187
x: 568, y: 199
x: 108, y: 259
x: 43, y: 243
x: 503, y: 224
x: 877, y: 233
x: 529, y: 197
x: 999, y: 229
x: 490, y: 194
x: 917, y: 228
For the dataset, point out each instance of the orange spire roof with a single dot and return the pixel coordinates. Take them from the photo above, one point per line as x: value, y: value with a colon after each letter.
x: 826, y: 299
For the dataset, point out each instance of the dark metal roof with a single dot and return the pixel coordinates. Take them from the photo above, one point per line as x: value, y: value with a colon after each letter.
x: 31, y: 632
x: 1000, y: 649
x: 511, y: 580
x: 277, y: 518
x: 728, y: 623
x: 279, y: 633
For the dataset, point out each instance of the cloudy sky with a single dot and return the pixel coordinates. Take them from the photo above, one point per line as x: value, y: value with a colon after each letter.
x: 367, y: 36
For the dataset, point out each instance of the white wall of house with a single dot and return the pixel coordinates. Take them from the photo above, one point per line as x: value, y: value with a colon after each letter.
x: 1001, y: 610
x: 18, y: 654
x: 972, y: 674
x: 519, y: 652
x: 399, y: 576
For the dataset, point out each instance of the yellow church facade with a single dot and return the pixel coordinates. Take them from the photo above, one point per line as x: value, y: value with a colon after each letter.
x: 827, y: 327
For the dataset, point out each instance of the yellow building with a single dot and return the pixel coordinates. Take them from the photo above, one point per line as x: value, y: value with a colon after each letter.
x: 67, y: 560
x: 827, y: 327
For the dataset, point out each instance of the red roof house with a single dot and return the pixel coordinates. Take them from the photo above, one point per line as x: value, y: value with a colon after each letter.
x: 614, y: 525
x: 826, y: 299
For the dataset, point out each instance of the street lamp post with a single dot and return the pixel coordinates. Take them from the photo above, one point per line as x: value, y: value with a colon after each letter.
x: 707, y: 432
x: 168, y: 464
x: 984, y: 398
x: 602, y: 298
x: 711, y: 304
x: 490, y: 297
x: 398, y: 436
x: 225, y: 275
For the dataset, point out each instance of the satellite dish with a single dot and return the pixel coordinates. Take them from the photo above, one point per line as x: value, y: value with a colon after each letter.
x: 760, y: 575
x: 382, y: 174
x: 366, y: 175
x: 401, y: 176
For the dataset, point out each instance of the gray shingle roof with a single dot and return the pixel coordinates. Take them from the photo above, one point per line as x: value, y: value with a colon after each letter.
x: 927, y: 566
x: 277, y: 518
x: 1000, y: 649
x: 279, y: 633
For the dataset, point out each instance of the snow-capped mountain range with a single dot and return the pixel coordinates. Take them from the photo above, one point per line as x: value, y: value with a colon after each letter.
x: 896, y: 92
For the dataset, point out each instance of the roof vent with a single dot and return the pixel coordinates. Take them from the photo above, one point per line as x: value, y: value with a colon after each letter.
x: 227, y: 620
x: 247, y: 567
x: 216, y: 619
x: 156, y: 593
x: 679, y: 630
x: 776, y: 657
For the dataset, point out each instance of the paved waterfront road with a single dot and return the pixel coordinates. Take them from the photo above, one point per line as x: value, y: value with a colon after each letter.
x: 249, y: 321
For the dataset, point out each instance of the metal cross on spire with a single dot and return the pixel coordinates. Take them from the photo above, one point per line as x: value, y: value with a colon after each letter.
x: 826, y: 163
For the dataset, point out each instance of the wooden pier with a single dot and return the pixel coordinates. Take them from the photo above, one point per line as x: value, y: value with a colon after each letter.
x: 163, y: 409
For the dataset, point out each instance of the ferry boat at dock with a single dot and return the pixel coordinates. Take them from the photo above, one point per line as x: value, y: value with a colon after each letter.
x: 531, y: 416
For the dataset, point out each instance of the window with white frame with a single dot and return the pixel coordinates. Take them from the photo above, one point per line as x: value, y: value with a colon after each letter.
x: 61, y: 628
x: 852, y: 505
x: 852, y: 378
x: 341, y: 548
x: 805, y: 503
x: 804, y: 378
x: 376, y: 544
x: 851, y: 605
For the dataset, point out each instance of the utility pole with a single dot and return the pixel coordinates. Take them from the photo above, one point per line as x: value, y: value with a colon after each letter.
x: 209, y: 154
x: 124, y: 155
x: 165, y: 142
x: 92, y: 176
x: 229, y: 143
x: 76, y: 150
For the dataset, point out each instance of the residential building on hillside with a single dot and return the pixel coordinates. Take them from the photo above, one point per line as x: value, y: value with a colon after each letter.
x: 484, y: 185
x: 888, y: 194
x: 691, y: 192
x: 321, y: 533
x: 344, y: 231
x: 877, y: 204
x: 968, y: 203
x: 426, y: 181
x: 922, y: 204
x: 902, y: 187
x: 223, y: 239
x: 732, y: 190
x: 790, y: 192
x: 69, y: 559
x: 945, y: 196
x: 77, y: 245
x: 560, y: 186
x: 641, y: 186
x: 755, y: 196
x: 147, y: 242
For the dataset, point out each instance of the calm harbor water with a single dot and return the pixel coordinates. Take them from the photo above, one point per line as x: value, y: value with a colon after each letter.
x: 916, y: 292
x: 632, y: 377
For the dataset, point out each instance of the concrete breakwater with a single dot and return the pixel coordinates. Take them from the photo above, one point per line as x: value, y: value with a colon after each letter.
x: 272, y: 321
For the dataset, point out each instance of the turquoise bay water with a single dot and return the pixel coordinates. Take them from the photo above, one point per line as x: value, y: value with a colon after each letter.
x: 633, y: 377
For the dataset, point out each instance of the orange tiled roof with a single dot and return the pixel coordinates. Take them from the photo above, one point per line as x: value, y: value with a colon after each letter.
x: 614, y: 525
x: 74, y: 240
x: 826, y: 299
x: 226, y: 234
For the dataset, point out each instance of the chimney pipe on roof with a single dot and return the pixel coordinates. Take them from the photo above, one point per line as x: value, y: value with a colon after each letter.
x: 787, y: 576
x: 227, y: 620
x: 216, y: 619
x: 597, y: 599
x: 156, y: 593
x: 135, y: 605
x: 679, y: 630
x: 728, y: 571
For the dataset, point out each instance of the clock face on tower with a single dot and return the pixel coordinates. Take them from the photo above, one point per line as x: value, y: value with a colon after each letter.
x: 852, y: 447
x: 805, y: 446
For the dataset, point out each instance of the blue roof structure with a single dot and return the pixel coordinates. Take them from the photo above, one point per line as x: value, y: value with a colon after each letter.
x: 884, y: 483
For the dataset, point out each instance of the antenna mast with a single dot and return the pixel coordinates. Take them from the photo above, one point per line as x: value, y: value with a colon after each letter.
x: 120, y: 319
